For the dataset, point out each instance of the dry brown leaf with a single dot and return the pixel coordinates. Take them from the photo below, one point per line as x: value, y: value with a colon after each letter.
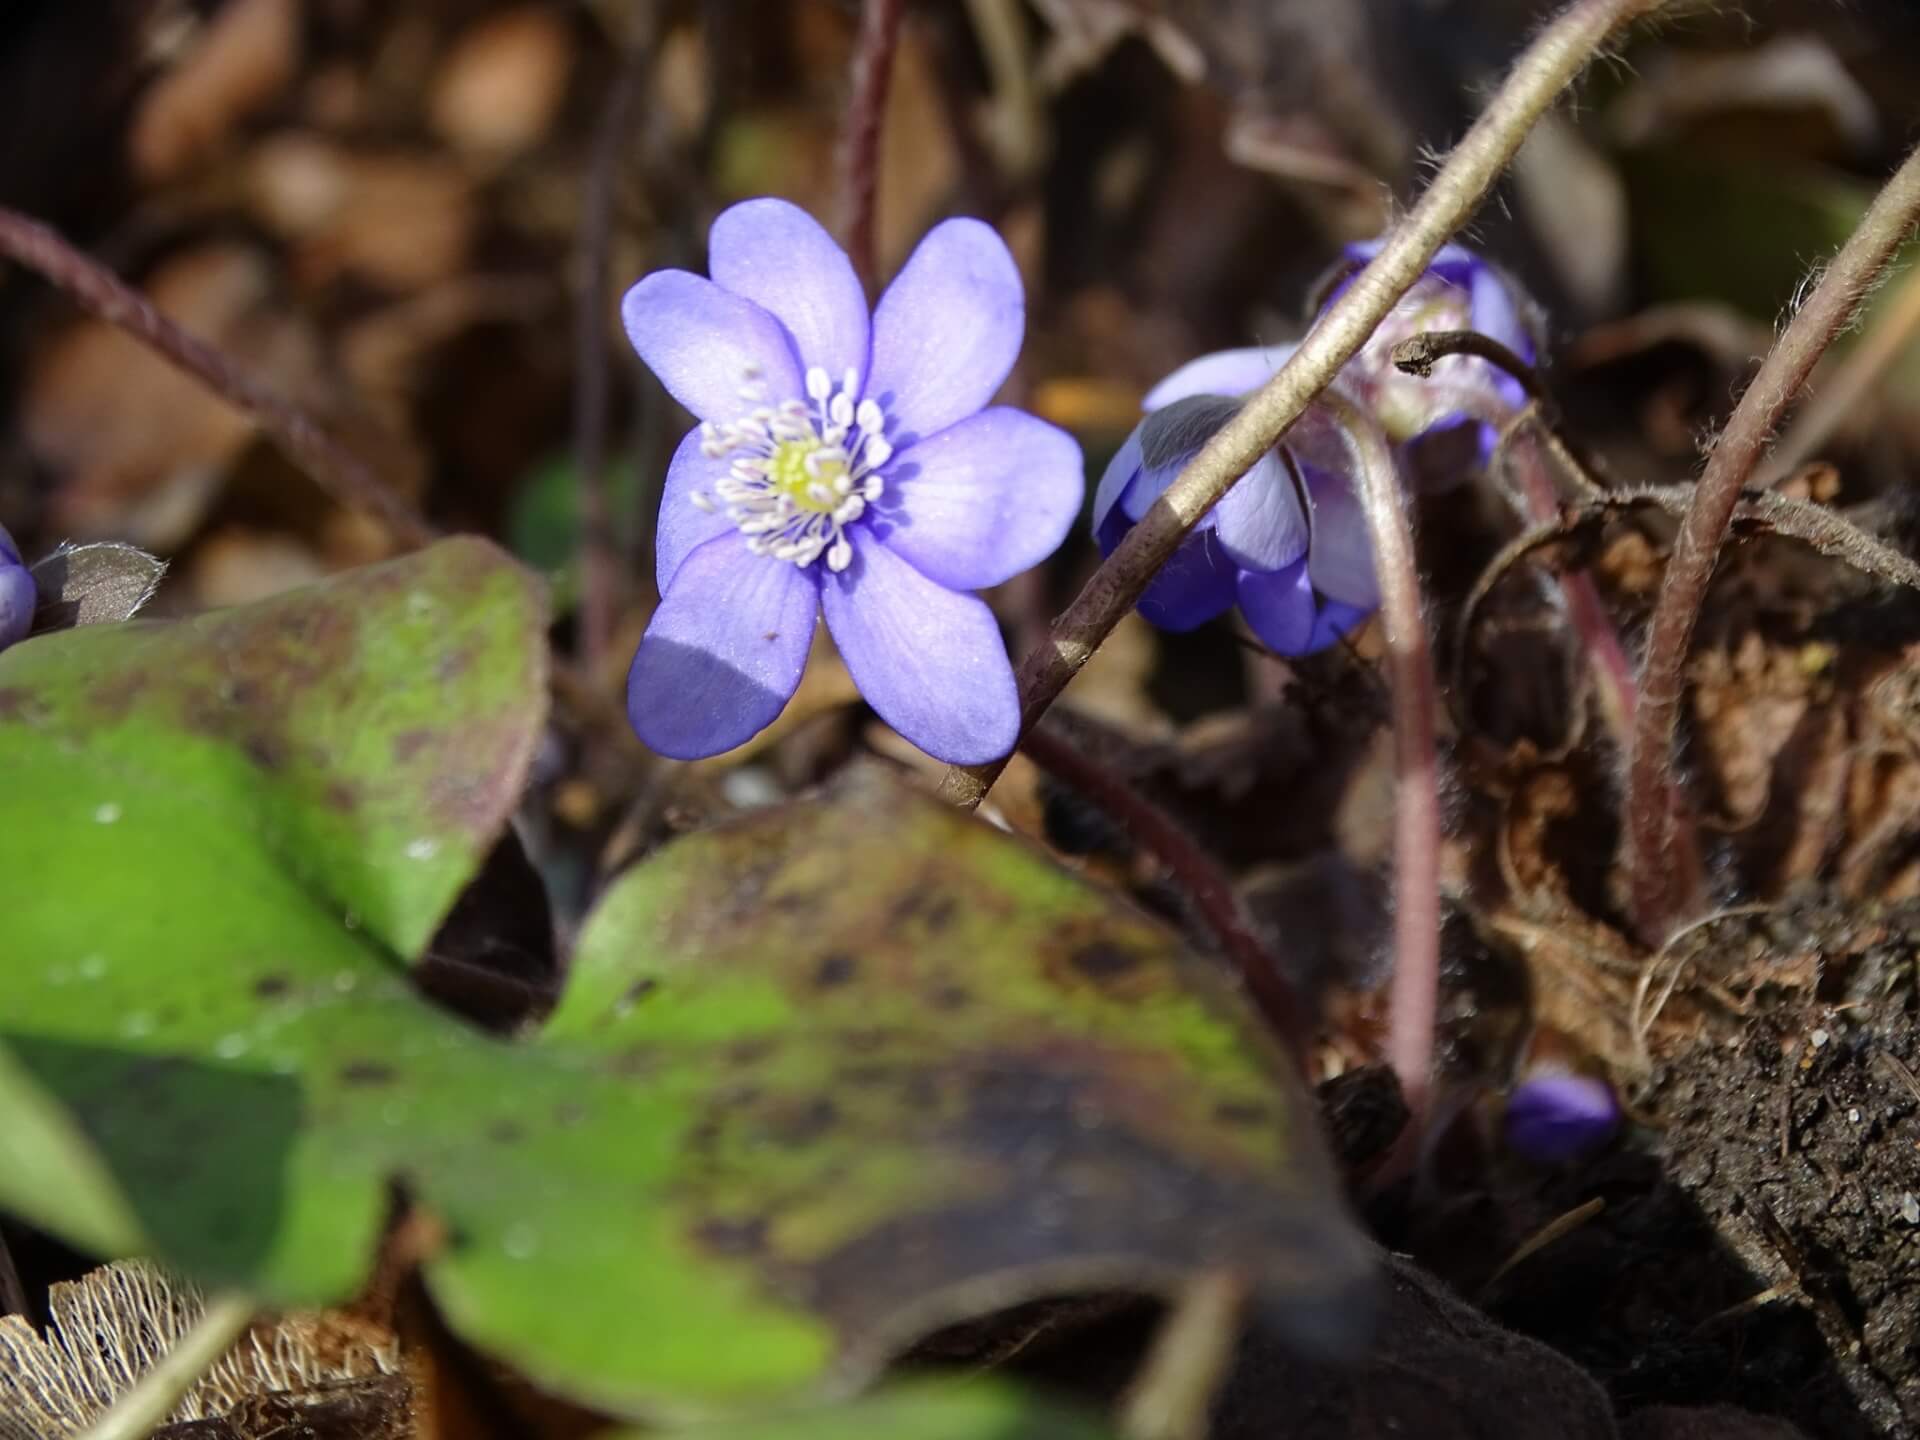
x: 502, y: 82
x: 139, y: 448
x: 239, y: 62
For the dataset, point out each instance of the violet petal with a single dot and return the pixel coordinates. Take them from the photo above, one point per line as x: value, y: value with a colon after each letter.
x: 701, y: 341
x: 947, y: 331
x: 1225, y: 372
x: 778, y: 256
x: 1552, y: 1118
x: 984, y: 499
x: 1281, y: 607
x: 723, y: 653
x: 929, y: 660
x: 1340, y: 563
x: 683, y: 526
x: 1259, y: 521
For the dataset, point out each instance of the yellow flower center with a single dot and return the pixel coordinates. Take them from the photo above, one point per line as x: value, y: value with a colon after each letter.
x: 810, y: 488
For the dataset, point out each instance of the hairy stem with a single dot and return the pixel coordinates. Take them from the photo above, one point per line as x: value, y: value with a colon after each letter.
x: 1541, y: 73
x: 1528, y: 438
x: 1853, y: 380
x: 98, y: 290
x: 1193, y: 870
x: 866, y: 112
x: 1413, y: 1001
x: 599, y: 557
x: 1740, y: 448
x: 144, y: 1408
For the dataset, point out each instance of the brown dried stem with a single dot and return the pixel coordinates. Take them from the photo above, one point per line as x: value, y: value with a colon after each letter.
x: 102, y: 293
x: 1193, y: 870
x: 1561, y: 51
x: 599, y: 557
x: 1827, y: 311
x: 860, y: 145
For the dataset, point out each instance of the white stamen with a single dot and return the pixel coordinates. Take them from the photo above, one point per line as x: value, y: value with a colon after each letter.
x: 800, y: 470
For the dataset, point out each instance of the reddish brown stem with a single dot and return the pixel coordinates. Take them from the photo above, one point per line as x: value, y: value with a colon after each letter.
x: 1413, y: 1001
x: 599, y: 558
x: 1827, y: 311
x: 866, y: 113
x: 1193, y: 870
x: 105, y: 295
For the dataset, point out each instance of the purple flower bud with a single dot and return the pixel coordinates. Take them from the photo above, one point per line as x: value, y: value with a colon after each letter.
x: 1287, y: 543
x: 1556, y: 1117
x: 17, y: 593
x: 847, y: 463
x: 1448, y: 422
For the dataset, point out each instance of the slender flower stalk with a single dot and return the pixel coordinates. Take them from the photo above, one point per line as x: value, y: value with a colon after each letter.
x: 1740, y: 448
x: 1414, y: 997
x: 599, y: 560
x: 866, y: 114
x: 98, y: 290
x: 1560, y: 53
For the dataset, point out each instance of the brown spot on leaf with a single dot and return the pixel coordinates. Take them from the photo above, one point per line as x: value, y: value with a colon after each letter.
x: 1102, y: 961
x: 272, y: 987
x: 408, y: 744
x: 746, y: 1236
x: 835, y: 969
x: 506, y: 1132
x: 366, y: 1072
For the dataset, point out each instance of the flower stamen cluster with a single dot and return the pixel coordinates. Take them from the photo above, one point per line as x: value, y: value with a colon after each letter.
x: 802, y: 472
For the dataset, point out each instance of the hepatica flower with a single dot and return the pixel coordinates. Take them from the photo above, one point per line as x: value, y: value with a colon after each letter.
x: 1447, y: 422
x: 1287, y: 544
x: 844, y: 464
x: 17, y: 593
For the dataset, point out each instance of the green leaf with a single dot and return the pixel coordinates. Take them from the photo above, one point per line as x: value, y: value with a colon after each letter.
x: 823, y: 1081
x: 975, y: 1409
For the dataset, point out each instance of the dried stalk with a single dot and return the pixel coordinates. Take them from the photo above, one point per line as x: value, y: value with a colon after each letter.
x: 1194, y: 871
x: 102, y: 293
x: 599, y: 557
x: 866, y: 113
x: 1562, y: 50
x: 1827, y: 311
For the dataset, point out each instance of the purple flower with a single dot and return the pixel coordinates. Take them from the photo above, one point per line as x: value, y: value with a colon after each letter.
x: 1287, y: 544
x: 1448, y: 422
x: 843, y: 464
x: 1556, y: 1117
x: 17, y: 593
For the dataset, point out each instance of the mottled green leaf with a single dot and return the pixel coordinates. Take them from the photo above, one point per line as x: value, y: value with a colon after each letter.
x: 824, y: 1080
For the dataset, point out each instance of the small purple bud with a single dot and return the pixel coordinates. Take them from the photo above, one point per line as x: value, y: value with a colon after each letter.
x: 1552, y: 1118
x: 1448, y: 421
x: 17, y: 593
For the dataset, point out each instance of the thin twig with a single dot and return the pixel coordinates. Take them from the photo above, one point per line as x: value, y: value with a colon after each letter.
x: 599, y: 560
x: 1650, y: 794
x: 1414, y: 997
x: 1172, y: 1397
x: 1555, y: 1229
x: 866, y: 113
x: 309, y: 446
x: 1193, y: 870
x: 1852, y: 380
x: 156, y: 1395
x: 1562, y: 50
